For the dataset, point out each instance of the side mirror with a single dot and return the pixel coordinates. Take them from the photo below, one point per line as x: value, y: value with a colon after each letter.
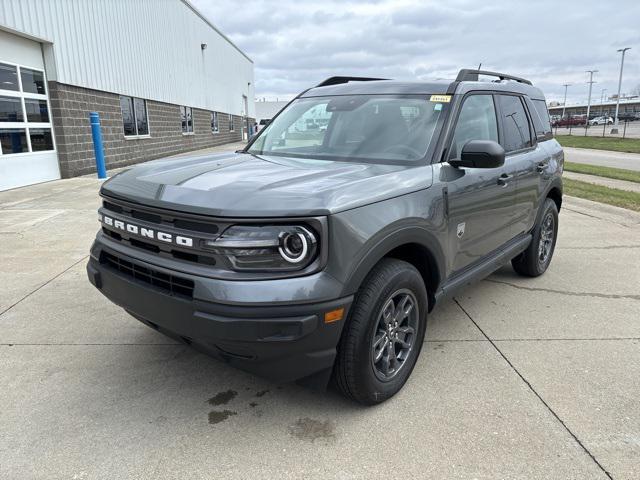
x: 480, y: 154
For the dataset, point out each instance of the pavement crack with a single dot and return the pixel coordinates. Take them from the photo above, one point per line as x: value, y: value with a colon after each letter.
x: 626, y: 225
x: 44, y: 285
x: 565, y: 292
x: 533, y: 390
x: 608, y: 247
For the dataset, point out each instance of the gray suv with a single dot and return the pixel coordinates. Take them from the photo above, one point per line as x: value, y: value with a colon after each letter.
x: 318, y: 251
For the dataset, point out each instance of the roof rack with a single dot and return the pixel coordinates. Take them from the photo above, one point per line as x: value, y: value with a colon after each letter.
x: 468, y: 75
x: 339, y: 80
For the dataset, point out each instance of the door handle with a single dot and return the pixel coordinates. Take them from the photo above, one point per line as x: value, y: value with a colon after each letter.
x: 542, y: 166
x: 504, y: 179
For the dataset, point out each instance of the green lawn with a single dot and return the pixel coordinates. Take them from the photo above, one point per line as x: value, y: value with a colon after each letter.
x: 631, y: 145
x: 609, y: 172
x: 598, y: 193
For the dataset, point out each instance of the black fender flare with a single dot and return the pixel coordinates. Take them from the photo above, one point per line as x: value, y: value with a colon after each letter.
x: 379, y: 246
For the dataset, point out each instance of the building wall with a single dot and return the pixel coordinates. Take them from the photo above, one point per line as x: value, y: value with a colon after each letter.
x: 71, y: 105
x: 142, y: 48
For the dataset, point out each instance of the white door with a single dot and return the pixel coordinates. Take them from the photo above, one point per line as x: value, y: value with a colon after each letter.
x: 27, y: 146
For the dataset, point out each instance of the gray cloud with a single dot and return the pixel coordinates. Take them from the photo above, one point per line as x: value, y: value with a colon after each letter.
x: 296, y: 44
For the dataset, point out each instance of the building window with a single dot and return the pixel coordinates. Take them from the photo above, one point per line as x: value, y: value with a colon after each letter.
x: 25, y: 123
x: 9, y: 77
x: 215, y: 127
x: 135, y: 121
x: 231, y: 126
x: 13, y: 140
x: 32, y: 81
x: 186, y: 115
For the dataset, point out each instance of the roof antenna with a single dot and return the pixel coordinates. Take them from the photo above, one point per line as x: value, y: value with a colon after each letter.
x: 479, y: 66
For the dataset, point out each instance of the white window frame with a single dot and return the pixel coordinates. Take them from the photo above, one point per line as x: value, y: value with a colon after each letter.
x: 25, y: 125
x: 135, y: 118
x: 232, y: 127
x: 215, y: 120
x: 193, y: 121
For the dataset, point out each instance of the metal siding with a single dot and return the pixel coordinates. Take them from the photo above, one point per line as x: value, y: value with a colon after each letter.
x: 143, y: 48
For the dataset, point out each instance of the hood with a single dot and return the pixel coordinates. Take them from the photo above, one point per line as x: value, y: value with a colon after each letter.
x: 244, y: 185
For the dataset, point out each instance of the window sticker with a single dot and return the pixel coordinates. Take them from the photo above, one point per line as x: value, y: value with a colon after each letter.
x: 437, y: 107
x: 440, y: 98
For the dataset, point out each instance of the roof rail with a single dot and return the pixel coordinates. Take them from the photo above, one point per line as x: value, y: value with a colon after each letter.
x: 468, y: 75
x: 339, y: 80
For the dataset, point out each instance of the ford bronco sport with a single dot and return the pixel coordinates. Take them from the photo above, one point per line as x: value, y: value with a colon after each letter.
x: 318, y: 251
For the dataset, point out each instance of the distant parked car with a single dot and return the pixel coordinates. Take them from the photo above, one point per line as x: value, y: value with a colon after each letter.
x: 628, y: 117
x: 601, y: 121
x: 569, y: 122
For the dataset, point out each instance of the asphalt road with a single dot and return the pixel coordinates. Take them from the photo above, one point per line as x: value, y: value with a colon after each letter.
x: 632, y: 131
x: 605, y: 158
x: 519, y: 378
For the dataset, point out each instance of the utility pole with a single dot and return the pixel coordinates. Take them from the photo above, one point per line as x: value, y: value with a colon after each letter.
x: 590, y: 82
x: 602, y: 95
x: 564, y: 104
x: 615, y: 124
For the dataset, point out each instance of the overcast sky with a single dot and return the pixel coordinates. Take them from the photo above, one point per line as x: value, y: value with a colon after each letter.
x: 296, y: 43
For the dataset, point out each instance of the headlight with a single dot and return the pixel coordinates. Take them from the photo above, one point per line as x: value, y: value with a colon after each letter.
x: 272, y: 247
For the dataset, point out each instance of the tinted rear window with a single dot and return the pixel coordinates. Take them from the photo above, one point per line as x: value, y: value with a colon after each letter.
x: 515, y: 123
x: 541, y: 118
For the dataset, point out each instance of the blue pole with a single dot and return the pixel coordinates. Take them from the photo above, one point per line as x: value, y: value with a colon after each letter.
x: 97, y: 144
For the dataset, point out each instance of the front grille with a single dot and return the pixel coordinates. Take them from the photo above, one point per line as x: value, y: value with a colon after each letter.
x: 170, y: 284
x: 196, y: 226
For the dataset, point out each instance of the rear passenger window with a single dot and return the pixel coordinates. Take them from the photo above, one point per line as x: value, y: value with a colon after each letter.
x: 477, y: 121
x: 541, y: 118
x: 515, y: 124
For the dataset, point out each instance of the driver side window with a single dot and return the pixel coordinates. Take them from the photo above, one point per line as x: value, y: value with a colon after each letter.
x: 477, y: 121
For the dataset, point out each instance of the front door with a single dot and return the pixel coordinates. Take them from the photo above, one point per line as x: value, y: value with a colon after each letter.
x: 480, y: 200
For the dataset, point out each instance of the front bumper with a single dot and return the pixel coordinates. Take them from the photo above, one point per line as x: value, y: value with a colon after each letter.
x: 282, y: 340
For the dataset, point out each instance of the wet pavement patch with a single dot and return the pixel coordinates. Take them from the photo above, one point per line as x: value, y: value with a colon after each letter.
x: 253, y: 404
x: 310, y: 429
x: 223, y: 398
x: 261, y: 393
x: 217, y: 417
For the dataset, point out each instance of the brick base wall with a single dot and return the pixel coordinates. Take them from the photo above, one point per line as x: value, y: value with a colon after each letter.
x: 70, y: 107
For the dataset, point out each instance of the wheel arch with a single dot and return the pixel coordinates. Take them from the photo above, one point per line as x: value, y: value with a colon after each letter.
x: 416, y: 246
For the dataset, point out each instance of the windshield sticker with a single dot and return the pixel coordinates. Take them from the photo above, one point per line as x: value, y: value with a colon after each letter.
x: 437, y: 107
x: 440, y: 98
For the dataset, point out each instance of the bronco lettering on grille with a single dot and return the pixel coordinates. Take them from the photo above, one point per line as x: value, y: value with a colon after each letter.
x: 134, y: 229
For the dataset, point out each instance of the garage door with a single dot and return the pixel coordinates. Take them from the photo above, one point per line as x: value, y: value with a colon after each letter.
x: 27, y: 148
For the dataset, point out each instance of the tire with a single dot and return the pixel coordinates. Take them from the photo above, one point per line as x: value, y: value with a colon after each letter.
x: 389, y: 288
x: 535, y: 260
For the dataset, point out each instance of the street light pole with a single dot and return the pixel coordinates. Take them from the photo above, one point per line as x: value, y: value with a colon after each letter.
x: 564, y: 104
x: 590, y: 82
x: 615, y: 125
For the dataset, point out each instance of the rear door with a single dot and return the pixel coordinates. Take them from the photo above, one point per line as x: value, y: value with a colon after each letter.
x: 522, y: 155
x: 531, y: 187
x: 480, y: 200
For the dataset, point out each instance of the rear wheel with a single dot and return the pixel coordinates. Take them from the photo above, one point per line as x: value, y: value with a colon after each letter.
x: 535, y: 260
x: 384, y: 335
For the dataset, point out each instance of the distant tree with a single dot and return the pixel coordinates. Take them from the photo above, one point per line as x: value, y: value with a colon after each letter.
x: 636, y: 90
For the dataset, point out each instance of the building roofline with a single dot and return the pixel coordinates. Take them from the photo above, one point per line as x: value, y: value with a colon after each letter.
x: 597, y: 104
x: 216, y: 29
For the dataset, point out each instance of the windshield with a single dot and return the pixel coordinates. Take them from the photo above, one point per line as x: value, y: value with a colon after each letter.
x: 381, y: 128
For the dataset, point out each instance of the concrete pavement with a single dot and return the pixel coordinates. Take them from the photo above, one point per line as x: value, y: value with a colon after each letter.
x: 604, y: 158
x: 519, y: 378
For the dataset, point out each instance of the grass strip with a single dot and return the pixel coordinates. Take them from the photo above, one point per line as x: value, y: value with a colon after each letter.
x: 608, y: 172
x: 630, y: 145
x: 598, y: 193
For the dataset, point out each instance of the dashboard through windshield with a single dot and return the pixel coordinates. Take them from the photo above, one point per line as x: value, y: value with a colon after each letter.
x: 381, y: 128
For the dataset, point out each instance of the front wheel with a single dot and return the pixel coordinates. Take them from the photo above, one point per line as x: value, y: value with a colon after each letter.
x: 384, y: 334
x: 535, y: 260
